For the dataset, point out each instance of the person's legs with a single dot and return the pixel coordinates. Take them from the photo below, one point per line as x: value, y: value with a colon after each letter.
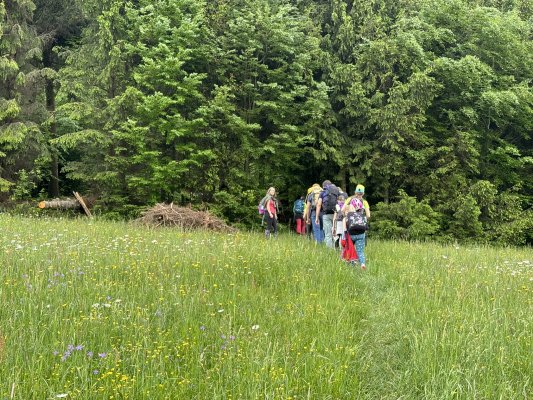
x: 317, y: 232
x: 269, y: 225
x: 327, y: 221
x: 299, y: 225
x: 359, y: 244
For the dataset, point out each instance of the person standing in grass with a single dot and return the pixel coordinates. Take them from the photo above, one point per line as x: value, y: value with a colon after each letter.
x: 311, y: 216
x: 355, y: 225
x: 325, y: 210
x: 338, y: 218
x: 271, y: 213
x: 298, y: 212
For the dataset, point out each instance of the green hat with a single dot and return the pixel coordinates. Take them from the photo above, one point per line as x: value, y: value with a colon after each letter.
x: 359, y: 189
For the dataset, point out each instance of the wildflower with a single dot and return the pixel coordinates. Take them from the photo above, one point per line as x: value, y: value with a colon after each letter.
x: 255, y: 327
x: 96, y: 372
x: 90, y: 354
x: 202, y: 328
x: 232, y: 337
x: 102, y: 355
x: 79, y: 347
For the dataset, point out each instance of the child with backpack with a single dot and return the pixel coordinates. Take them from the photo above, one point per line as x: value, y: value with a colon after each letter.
x: 355, y: 225
x: 338, y: 218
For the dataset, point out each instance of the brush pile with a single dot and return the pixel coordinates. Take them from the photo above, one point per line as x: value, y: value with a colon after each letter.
x: 168, y: 215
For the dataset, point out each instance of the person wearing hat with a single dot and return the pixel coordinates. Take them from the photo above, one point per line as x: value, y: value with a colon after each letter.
x: 358, y: 194
x: 355, y: 226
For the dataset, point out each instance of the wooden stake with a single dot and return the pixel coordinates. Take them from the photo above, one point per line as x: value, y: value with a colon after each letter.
x: 80, y: 199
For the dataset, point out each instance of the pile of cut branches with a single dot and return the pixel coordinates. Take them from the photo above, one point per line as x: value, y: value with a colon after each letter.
x: 168, y: 215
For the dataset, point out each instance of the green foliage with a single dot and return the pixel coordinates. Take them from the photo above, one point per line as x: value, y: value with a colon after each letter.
x: 406, y: 219
x: 25, y: 186
x: 509, y: 223
x: 200, y: 102
x: 20, y: 105
x: 465, y: 223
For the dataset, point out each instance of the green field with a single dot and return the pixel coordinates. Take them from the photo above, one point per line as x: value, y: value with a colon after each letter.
x: 99, y: 310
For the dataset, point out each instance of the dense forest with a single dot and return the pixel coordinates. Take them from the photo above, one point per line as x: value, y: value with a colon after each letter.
x: 428, y: 103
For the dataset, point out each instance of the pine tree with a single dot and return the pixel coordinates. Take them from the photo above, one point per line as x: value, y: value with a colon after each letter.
x: 21, y: 105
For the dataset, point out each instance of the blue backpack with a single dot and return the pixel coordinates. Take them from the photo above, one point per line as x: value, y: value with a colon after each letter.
x: 299, y: 206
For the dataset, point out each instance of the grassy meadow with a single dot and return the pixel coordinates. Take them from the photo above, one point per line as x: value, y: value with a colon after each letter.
x: 100, y: 310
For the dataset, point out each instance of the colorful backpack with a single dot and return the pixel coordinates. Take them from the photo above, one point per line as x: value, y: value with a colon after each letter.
x: 356, y: 222
x: 261, y: 208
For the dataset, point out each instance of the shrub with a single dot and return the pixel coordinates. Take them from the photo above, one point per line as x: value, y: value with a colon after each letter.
x: 406, y: 219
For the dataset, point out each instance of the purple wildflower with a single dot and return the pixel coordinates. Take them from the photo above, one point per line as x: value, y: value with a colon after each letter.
x: 90, y: 354
x: 102, y: 355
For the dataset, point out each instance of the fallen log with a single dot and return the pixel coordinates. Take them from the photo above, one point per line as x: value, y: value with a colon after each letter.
x: 66, y: 204
x: 60, y: 204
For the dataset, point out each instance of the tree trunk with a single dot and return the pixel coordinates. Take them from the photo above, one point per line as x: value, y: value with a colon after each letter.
x: 61, y: 204
x: 51, y: 107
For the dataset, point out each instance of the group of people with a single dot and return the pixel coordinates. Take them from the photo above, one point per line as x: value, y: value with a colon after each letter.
x: 330, y: 216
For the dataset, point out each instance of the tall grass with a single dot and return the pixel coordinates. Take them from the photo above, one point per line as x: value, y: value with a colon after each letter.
x: 94, y: 310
